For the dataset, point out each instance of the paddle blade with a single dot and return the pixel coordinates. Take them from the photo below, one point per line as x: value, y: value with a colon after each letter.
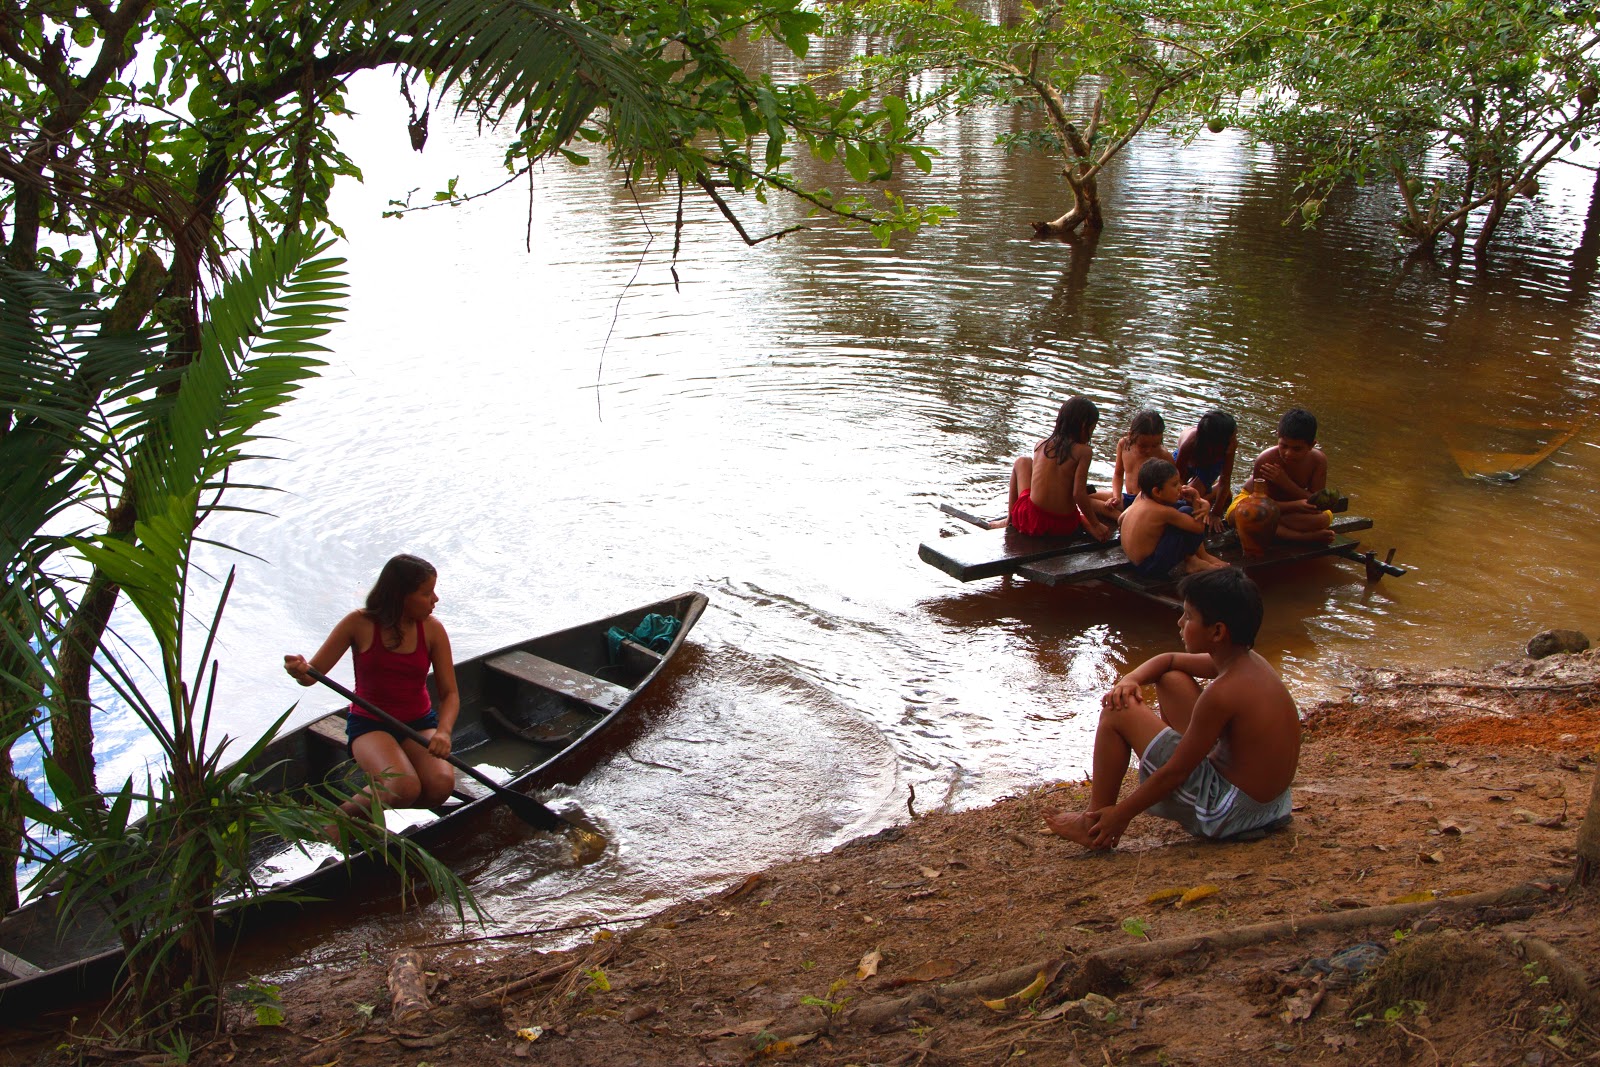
x: 532, y: 812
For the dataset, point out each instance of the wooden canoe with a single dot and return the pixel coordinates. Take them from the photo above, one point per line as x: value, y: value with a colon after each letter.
x: 532, y: 714
x: 1545, y: 439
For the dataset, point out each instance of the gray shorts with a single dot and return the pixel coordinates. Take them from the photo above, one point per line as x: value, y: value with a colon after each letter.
x: 1207, y: 804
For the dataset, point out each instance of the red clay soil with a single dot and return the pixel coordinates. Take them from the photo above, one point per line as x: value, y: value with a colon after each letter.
x: 1435, y: 825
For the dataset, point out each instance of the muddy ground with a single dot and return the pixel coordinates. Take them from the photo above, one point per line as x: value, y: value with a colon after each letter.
x: 1415, y: 912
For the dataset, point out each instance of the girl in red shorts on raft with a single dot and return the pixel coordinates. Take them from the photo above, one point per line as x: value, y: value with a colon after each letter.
x: 1050, y: 494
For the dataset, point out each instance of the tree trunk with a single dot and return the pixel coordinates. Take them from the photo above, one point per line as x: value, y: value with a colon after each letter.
x: 1586, y: 869
x: 1497, y: 210
x: 1085, y: 210
x: 1587, y: 254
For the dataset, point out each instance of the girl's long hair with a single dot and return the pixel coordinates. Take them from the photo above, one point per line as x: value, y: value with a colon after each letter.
x: 400, y: 577
x: 1074, y: 423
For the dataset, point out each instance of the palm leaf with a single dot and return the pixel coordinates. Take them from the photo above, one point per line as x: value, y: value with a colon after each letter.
x: 534, y: 64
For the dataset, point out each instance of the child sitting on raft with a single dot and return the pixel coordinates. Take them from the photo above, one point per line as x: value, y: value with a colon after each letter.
x: 1205, y: 460
x: 1296, y: 470
x: 1142, y: 442
x: 1164, y: 529
x: 1050, y: 494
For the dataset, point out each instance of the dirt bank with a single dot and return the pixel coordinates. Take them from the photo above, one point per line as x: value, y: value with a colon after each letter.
x: 1435, y: 819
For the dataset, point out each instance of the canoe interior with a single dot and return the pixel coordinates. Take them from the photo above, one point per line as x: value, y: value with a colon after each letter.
x: 519, y: 732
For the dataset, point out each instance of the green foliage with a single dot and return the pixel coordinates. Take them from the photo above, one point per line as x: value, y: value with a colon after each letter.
x: 263, y: 998
x: 1475, y: 97
x: 165, y: 859
x: 1096, y: 72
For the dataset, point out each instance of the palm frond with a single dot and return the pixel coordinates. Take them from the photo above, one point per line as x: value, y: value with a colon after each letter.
x: 535, y: 64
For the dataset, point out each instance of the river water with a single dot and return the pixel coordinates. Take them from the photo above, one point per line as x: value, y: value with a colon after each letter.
x: 521, y: 393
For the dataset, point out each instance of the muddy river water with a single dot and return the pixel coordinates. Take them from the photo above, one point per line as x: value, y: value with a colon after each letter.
x: 522, y: 394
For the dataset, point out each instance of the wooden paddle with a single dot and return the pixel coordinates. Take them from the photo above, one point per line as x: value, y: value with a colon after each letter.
x: 523, y: 806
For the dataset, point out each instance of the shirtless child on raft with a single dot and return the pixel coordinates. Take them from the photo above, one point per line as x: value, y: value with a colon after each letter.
x: 1217, y: 760
x: 1164, y: 529
x: 1295, y: 470
x: 1205, y: 460
x: 1050, y: 494
x: 1142, y: 442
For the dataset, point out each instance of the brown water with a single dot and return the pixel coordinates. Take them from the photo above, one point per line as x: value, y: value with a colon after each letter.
x: 565, y: 432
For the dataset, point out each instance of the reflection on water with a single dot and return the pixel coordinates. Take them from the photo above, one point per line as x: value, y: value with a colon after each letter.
x: 776, y: 432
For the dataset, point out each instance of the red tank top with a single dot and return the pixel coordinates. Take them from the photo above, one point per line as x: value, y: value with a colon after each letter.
x: 396, y: 683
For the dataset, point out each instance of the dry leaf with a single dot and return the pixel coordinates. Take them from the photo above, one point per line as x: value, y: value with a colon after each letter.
x: 1431, y: 857
x: 744, y: 1029
x: 1022, y: 996
x: 744, y: 888
x: 1199, y: 892
x: 928, y: 872
x: 929, y: 971
x: 868, y: 965
x: 784, y: 1046
x: 1301, y: 1006
x: 1414, y: 898
x: 1452, y: 825
x: 1165, y: 894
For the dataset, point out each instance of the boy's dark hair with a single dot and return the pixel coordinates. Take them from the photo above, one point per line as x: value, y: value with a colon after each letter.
x: 1154, y: 473
x: 1228, y: 596
x: 1214, y: 429
x: 1074, y: 423
x: 1147, y: 422
x: 400, y: 577
x: 1298, y: 424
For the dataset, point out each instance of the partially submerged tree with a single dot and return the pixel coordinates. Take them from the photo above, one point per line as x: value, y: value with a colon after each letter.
x: 1460, y: 104
x: 1096, y: 72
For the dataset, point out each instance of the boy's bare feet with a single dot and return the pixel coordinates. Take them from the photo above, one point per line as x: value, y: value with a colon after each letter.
x: 1072, y: 825
x: 995, y: 524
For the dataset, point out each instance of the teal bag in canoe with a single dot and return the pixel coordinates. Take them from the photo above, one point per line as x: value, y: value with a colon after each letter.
x: 654, y: 632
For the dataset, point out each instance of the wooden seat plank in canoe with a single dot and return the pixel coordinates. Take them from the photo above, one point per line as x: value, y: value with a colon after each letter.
x: 1111, y: 563
x: 548, y: 674
x: 331, y: 729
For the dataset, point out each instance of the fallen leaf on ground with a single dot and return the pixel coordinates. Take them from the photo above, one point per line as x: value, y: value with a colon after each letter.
x: 928, y: 971
x: 786, y: 1045
x: 868, y: 965
x: 744, y: 888
x: 1452, y: 825
x: 928, y: 872
x: 1301, y: 1006
x: 1026, y: 994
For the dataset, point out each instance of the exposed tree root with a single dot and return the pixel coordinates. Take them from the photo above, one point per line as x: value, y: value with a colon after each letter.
x: 1104, y: 970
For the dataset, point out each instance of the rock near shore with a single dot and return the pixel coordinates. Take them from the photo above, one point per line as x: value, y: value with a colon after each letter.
x: 1551, y: 642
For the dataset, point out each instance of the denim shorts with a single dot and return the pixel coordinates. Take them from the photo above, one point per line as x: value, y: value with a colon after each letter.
x: 356, y: 725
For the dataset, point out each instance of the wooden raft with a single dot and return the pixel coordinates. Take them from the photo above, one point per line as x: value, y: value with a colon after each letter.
x: 1109, y: 564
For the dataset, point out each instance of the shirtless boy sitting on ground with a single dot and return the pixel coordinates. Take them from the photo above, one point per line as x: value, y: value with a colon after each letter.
x: 1295, y: 470
x: 1218, y: 761
x: 1164, y: 529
